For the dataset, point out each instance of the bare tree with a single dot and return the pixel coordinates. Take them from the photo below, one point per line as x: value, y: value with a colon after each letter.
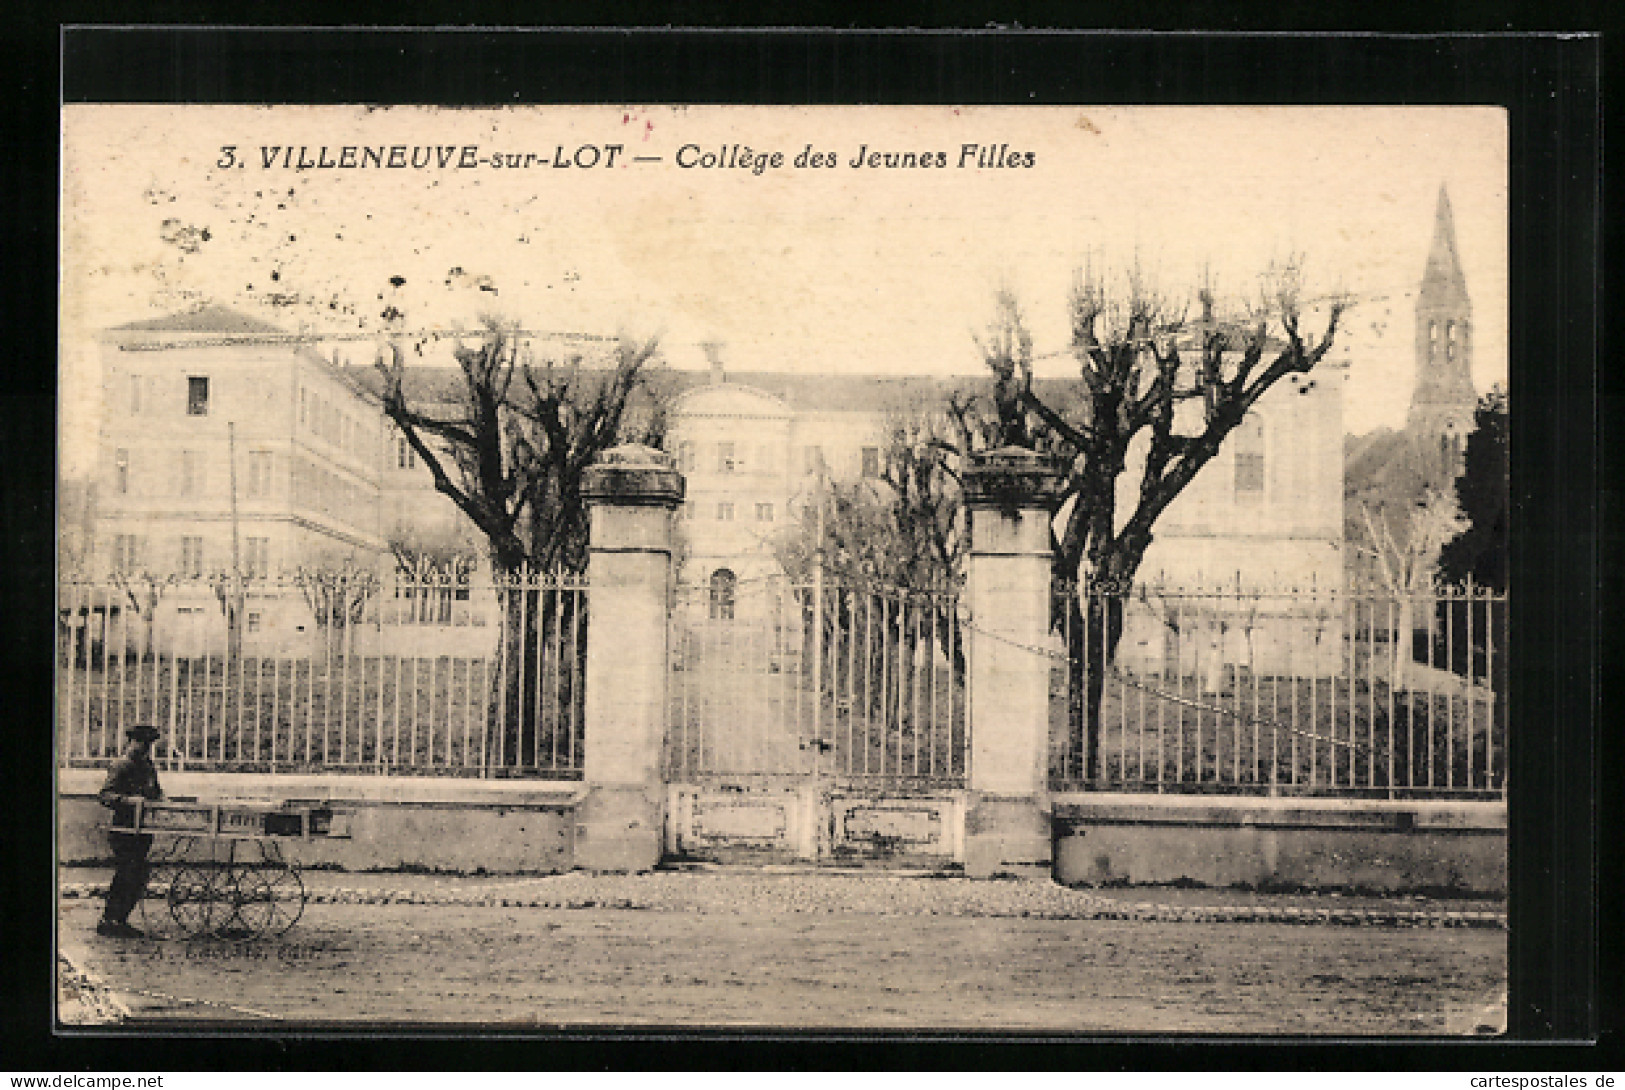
x: 510, y: 452
x: 899, y: 537
x: 904, y: 527
x: 1158, y: 393
x: 144, y: 591
x: 337, y: 597
x: 1406, y: 560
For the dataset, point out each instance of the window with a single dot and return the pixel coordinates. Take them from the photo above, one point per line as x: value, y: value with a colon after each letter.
x: 813, y: 459
x: 688, y: 510
x: 257, y: 557
x: 725, y: 512
x: 121, y: 472
x: 1248, y: 442
x: 304, y: 417
x: 871, y: 461
x: 1450, y: 340
x: 767, y: 460
x: 1433, y: 339
x: 405, y: 456
x: 723, y: 582
x: 254, y: 618
x: 192, y: 556
x: 191, y: 473
x: 764, y: 512
x: 197, y: 396
x: 126, y: 552
x: 259, y: 473
x: 135, y: 395
x: 725, y: 457
x: 685, y: 456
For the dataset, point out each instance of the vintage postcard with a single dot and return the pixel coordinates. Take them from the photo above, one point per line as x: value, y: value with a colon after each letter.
x: 938, y: 569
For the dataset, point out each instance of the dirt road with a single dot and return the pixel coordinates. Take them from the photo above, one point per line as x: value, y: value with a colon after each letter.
x: 805, y: 952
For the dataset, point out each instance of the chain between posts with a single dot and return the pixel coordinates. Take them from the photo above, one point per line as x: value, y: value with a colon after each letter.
x: 1118, y: 675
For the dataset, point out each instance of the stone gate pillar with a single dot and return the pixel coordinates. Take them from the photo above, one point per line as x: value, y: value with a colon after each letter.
x: 631, y: 492
x: 1009, y: 493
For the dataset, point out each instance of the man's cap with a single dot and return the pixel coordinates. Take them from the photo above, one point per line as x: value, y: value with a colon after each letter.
x: 142, y: 733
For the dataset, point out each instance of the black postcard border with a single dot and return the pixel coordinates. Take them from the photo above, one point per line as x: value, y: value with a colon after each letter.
x: 1550, y: 85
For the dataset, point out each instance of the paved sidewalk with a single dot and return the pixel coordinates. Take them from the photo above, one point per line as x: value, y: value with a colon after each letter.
x: 815, y: 950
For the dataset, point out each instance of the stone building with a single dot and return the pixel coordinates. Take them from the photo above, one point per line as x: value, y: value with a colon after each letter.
x: 226, y: 444
x: 1266, y: 513
x: 227, y: 447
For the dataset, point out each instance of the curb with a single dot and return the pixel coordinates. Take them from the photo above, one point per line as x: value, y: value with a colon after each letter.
x: 1090, y: 907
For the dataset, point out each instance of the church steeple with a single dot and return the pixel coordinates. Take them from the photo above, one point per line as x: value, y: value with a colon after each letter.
x: 1443, y: 400
x: 1443, y: 281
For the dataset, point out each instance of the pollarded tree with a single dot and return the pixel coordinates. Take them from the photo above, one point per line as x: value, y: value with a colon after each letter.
x: 1157, y: 395
x: 511, y: 447
x: 893, y: 547
x: 510, y: 450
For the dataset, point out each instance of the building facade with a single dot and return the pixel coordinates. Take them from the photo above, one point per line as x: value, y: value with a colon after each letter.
x: 228, y: 446
x: 1265, y: 514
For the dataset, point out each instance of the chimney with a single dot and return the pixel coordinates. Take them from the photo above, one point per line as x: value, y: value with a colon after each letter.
x: 713, y: 353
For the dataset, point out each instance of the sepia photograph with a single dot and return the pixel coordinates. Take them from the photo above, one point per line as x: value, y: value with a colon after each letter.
x: 980, y: 569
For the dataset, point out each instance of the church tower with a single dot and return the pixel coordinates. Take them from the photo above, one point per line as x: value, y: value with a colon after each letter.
x: 1442, y: 403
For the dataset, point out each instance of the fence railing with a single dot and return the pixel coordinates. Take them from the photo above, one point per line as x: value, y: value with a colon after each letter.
x: 1279, y: 693
x: 452, y: 676
x: 862, y: 686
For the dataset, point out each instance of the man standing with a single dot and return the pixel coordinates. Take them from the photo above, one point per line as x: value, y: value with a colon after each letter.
x: 131, y: 778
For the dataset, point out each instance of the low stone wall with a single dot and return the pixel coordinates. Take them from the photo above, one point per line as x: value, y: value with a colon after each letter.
x: 498, y: 826
x: 1377, y: 845
x: 529, y: 826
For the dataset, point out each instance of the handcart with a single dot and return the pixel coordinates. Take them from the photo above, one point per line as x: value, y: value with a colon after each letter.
x: 220, y: 867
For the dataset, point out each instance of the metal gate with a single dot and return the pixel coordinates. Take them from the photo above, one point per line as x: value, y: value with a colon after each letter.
x: 816, y: 721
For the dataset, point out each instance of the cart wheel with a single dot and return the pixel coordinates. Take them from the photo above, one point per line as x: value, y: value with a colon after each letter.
x: 196, y: 901
x: 156, y: 919
x: 270, y: 898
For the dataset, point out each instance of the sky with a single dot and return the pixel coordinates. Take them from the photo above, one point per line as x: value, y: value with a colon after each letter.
x: 844, y: 269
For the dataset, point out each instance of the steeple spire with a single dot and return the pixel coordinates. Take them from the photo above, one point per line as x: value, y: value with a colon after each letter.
x: 1442, y: 280
x: 1443, y: 399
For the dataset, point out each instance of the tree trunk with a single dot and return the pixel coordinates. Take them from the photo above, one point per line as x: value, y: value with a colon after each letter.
x: 1092, y: 636
x: 535, y: 706
x: 1404, y: 641
x: 511, y: 741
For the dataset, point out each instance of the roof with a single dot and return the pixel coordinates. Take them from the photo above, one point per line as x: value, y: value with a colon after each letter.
x: 211, y: 318
x: 1442, y: 278
x: 803, y: 393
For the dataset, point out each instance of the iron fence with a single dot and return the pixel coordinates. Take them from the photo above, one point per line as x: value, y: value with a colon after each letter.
x: 859, y: 685
x: 1303, y: 692
x: 327, y: 672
